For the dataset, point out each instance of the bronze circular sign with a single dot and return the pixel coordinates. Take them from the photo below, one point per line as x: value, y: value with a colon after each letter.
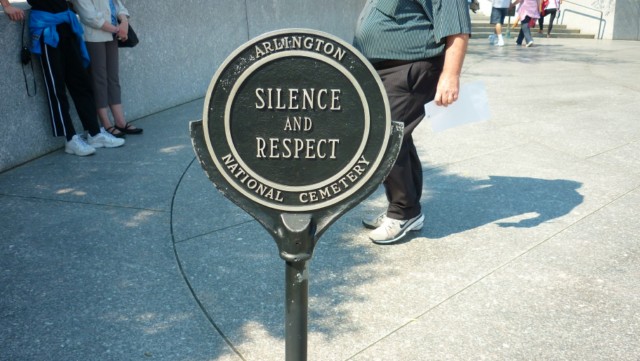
x: 296, y: 120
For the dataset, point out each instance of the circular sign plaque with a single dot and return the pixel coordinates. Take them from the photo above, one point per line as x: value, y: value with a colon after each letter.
x: 296, y: 120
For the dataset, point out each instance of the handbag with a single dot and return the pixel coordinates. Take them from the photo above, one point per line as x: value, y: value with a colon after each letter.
x: 474, y: 6
x: 545, y: 3
x: 132, y: 39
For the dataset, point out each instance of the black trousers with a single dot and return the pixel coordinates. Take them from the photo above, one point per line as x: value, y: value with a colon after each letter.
x: 62, y: 69
x: 551, y: 12
x: 409, y: 87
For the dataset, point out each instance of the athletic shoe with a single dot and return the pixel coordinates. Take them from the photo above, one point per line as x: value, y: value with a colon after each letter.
x: 375, y: 222
x: 500, y: 42
x: 529, y: 44
x: 393, y: 230
x: 104, y: 140
x: 492, y: 39
x: 78, y: 146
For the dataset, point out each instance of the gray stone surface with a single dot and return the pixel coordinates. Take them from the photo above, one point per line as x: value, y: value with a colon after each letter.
x: 530, y: 251
x: 181, y: 46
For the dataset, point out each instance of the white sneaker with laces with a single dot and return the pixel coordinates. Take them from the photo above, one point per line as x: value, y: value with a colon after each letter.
x: 393, y: 230
x: 375, y: 222
x: 78, y: 146
x: 104, y: 140
x: 529, y: 44
x: 500, y: 41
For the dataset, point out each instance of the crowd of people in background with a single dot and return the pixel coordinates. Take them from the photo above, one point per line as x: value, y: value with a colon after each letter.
x: 528, y: 13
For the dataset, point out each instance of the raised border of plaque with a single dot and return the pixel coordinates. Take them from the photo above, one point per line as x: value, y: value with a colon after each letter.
x: 255, y: 93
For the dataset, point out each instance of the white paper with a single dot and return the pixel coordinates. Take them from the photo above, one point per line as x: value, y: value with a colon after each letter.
x: 472, y: 106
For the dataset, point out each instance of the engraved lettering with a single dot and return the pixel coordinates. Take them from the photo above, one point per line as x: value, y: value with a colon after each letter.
x: 337, y: 187
x: 279, y: 104
x: 297, y: 124
x: 267, y: 47
x: 308, y: 43
x: 252, y: 184
x: 261, y: 144
x: 296, y: 148
x: 259, y: 95
x: 312, y: 99
x: 293, y: 99
x: 299, y: 42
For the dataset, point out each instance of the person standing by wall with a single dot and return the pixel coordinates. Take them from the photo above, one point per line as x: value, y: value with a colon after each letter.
x: 417, y: 48
x: 56, y: 36
x: 106, y: 22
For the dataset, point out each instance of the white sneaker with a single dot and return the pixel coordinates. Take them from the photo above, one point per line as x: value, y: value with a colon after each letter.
x: 78, y: 146
x: 500, y: 42
x: 393, y: 230
x: 492, y: 39
x: 374, y: 222
x: 104, y: 140
x: 529, y: 44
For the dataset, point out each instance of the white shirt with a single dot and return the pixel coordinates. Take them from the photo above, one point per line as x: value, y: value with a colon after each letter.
x: 553, y: 4
x: 502, y: 3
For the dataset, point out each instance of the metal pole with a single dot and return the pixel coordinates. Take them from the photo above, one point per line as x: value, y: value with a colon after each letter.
x: 296, y: 308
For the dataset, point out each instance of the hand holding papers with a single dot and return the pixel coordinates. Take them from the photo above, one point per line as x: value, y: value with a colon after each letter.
x: 472, y: 106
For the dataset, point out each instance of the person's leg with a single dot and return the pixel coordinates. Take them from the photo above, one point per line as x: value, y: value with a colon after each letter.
x: 98, y: 71
x: 494, y: 19
x: 520, y: 36
x: 114, y: 92
x: 79, y: 85
x: 551, y: 20
x: 541, y: 24
x: 53, y: 70
x: 526, y: 31
x: 408, y: 87
x: 502, y: 15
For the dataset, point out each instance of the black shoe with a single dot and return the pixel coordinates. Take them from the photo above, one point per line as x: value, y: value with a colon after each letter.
x: 113, y: 130
x: 128, y: 129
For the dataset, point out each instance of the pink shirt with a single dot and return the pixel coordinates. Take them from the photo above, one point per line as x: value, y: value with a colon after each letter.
x: 529, y: 8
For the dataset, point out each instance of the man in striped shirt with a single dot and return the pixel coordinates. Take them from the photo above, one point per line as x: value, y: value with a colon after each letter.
x: 417, y: 48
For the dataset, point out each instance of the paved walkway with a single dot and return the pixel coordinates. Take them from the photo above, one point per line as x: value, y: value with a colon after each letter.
x: 531, y: 250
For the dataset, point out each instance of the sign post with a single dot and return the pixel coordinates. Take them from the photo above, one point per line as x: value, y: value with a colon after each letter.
x: 296, y: 131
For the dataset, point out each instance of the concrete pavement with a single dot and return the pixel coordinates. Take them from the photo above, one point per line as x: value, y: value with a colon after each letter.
x: 530, y: 251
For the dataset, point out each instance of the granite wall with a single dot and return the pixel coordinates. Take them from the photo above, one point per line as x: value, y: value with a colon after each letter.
x: 181, y: 45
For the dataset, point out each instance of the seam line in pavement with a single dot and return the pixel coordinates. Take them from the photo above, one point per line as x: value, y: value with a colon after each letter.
x: 214, y: 231
x: 83, y: 203
x: 183, y: 273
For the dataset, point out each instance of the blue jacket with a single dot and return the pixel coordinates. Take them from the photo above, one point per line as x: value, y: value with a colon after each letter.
x: 43, y: 24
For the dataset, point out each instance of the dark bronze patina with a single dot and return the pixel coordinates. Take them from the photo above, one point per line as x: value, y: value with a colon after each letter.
x: 296, y: 132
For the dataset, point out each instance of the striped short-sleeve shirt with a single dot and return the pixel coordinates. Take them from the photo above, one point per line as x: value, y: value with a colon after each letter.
x: 409, y: 29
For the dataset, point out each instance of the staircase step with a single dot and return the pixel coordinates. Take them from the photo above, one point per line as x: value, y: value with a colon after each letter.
x: 481, y: 29
x: 481, y: 26
x: 513, y: 34
x: 559, y: 31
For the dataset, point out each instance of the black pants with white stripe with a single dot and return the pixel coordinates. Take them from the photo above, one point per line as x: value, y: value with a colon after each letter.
x: 62, y: 69
x: 408, y: 88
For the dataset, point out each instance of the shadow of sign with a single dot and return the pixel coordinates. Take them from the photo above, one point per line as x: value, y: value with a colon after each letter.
x: 455, y: 204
